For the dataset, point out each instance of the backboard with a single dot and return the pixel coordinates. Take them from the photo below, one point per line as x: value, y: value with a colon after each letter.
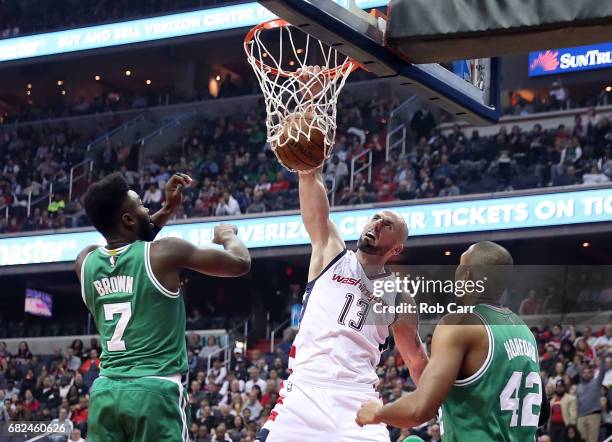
x: 467, y: 88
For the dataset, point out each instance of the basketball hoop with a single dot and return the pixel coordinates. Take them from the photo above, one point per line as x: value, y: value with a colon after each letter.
x: 277, y: 52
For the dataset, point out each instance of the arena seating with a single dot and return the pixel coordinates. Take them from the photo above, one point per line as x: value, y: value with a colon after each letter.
x: 231, y: 154
x: 238, y: 397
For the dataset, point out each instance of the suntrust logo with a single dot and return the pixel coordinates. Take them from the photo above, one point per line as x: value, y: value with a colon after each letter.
x: 547, y: 61
x: 570, y: 59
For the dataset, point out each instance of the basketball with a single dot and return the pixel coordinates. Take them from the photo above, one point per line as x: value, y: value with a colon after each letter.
x: 297, y: 150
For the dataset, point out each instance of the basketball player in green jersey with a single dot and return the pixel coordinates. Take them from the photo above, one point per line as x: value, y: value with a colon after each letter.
x: 131, y: 287
x: 484, y: 369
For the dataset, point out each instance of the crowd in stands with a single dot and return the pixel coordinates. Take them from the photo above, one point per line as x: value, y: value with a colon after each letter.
x: 112, y: 100
x: 235, y: 171
x: 231, y: 402
x: 21, y: 18
x: 32, y: 158
x: 556, y: 98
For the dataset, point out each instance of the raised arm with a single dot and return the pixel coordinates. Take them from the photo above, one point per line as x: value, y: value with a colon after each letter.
x: 170, y: 254
x: 450, y: 344
x: 174, y: 198
x: 408, y: 342
x: 314, y: 207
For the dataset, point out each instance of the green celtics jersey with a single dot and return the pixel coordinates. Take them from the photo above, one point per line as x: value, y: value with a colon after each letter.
x: 141, y: 324
x: 500, y: 402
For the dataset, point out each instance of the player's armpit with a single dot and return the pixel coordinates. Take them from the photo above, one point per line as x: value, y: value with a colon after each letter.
x: 449, y: 346
x: 81, y: 256
x: 179, y: 254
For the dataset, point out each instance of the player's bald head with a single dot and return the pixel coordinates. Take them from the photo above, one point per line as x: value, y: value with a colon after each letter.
x: 489, y: 262
x: 384, y: 234
x: 486, y: 253
x: 400, y: 222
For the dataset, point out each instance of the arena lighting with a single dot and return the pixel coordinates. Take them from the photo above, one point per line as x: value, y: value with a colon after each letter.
x: 63, y: 92
x: 60, y: 82
x: 29, y: 85
x: 608, y: 88
x: 447, y: 253
x: 586, y: 244
x: 97, y: 78
x: 148, y: 81
x: 128, y: 73
x: 300, y: 51
x: 292, y: 63
x: 218, y: 78
x: 29, y: 92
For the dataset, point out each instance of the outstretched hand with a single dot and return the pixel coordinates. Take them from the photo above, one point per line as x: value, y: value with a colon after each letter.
x: 174, y: 190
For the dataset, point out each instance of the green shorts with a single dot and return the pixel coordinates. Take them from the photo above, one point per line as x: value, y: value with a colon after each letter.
x: 138, y: 410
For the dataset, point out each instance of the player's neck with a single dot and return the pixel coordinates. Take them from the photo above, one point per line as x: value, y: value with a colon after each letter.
x: 372, y: 264
x: 115, y: 242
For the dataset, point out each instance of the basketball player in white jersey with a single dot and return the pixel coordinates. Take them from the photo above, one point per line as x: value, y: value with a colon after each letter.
x: 336, y: 351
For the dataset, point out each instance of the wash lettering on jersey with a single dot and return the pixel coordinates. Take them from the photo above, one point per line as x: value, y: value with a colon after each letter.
x: 114, y: 284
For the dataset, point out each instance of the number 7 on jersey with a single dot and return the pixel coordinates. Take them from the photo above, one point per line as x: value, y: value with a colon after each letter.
x: 124, y: 309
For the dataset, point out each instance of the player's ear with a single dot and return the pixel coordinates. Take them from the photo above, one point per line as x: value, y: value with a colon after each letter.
x: 128, y: 219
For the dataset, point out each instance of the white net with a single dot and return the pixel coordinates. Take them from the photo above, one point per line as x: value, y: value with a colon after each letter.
x: 299, y: 76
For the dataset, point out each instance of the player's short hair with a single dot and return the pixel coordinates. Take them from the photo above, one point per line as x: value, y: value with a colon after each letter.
x: 104, y: 200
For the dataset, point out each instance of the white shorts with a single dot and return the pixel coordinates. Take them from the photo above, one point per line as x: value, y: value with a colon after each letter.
x: 314, y: 412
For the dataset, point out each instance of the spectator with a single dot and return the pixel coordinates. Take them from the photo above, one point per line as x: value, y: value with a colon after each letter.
x: 449, y: 188
x: 558, y: 95
x: 253, y: 407
x: 210, y: 348
x: 572, y: 434
x: 152, y: 197
x: 93, y: 363
x: 23, y: 353
x: 75, y: 436
x: 72, y: 362
x: 531, y: 305
x: 557, y: 419
x: 57, y: 204
x: 589, y: 407
x: 594, y: 176
x: 228, y: 206
x: 217, y: 371
x: 263, y: 185
x: 281, y: 183
x: 254, y: 380
x: 257, y: 206
x: 221, y: 434
x: 604, y: 342
x: 62, y: 419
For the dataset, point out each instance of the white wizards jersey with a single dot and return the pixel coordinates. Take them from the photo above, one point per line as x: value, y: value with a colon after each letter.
x: 339, y: 336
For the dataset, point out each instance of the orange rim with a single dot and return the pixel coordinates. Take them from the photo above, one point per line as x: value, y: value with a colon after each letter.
x: 349, y: 65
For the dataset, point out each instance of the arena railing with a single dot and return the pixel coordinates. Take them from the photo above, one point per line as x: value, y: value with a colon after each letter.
x: 282, y: 325
x: 367, y: 166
